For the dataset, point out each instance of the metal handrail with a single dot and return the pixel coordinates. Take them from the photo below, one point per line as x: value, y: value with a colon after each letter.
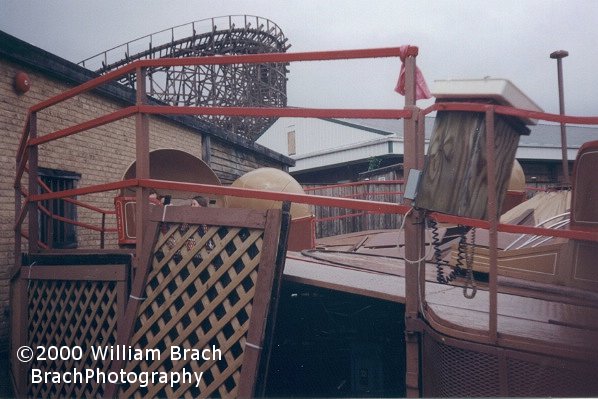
x: 410, y: 114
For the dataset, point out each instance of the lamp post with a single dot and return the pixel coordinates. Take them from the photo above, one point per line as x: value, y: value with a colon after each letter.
x: 559, y: 55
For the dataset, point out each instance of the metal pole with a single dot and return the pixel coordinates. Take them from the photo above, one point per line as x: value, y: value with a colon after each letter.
x: 559, y: 55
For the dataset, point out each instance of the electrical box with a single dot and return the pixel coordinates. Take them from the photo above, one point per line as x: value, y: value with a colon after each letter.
x: 454, y: 179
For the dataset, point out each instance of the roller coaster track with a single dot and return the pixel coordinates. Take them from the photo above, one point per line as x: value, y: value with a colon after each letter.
x: 209, y: 85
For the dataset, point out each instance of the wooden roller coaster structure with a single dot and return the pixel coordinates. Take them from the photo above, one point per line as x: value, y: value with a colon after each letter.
x: 247, y: 85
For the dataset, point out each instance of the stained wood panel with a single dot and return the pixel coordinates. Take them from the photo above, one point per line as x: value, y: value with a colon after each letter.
x: 454, y: 179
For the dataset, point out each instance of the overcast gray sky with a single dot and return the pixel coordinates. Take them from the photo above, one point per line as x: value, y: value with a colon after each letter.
x: 509, y: 39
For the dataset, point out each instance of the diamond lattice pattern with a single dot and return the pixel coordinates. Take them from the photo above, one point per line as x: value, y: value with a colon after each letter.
x: 198, y: 295
x: 69, y: 314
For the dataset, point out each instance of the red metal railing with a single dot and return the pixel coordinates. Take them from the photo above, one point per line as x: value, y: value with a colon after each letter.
x: 27, y: 160
x: 29, y: 139
x: 510, y: 111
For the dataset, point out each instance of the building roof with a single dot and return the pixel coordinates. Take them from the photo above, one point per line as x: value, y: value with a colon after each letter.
x: 326, y: 142
x: 542, y: 135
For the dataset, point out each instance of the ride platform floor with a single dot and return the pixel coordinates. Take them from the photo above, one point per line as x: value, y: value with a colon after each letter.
x: 530, y: 316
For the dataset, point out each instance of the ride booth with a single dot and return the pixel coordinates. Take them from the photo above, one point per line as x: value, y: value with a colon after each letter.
x: 454, y: 180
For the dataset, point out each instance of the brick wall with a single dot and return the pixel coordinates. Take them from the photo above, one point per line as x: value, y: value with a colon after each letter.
x: 230, y: 162
x: 100, y: 155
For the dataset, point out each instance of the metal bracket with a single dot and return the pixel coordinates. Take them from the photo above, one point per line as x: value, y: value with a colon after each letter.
x: 414, y: 325
x: 412, y: 183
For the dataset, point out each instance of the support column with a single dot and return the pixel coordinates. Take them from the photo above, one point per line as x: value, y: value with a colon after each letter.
x: 33, y: 187
x: 414, y: 238
x: 492, y: 212
x: 141, y: 166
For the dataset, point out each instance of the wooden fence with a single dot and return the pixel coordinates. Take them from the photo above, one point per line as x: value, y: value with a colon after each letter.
x: 207, y: 287
x: 332, y: 221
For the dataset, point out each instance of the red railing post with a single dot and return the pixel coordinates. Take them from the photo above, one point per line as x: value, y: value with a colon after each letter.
x: 492, y: 215
x: 141, y: 164
x: 414, y: 239
x: 18, y: 224
x: 421, y: 150
x: 33, y: 187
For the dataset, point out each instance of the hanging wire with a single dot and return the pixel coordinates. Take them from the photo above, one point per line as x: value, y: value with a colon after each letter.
x: 470, y: 289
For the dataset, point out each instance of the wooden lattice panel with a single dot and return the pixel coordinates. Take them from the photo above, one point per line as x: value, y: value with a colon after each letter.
x: 69, y: 314
x: 199, y: 294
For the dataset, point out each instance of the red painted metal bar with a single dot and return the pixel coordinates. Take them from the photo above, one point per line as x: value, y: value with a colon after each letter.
x: 573, y: 234
x: 33, y: 227
x: 492, y: 215
x: 73, y: 222
x: 236, y: 59
x: 370, y: 206
x: 378, y: 207
x: 236, y: 111
x: 45, y: 210
x: 583, y: 120
x: 84, y: 225
x: 505, y: 110
x: 85, y: 87
x: 374, y: 206
x: 98, y: 188
x: 22, y: 212
x: 103, y: 120
x: 413, y: 243
x: 278, y: 112
x: 21, y: 166
x: 142, y: 169
x: 24, y: 137
x: 280, y: 57
x: 78, y: 203
x: 112, y: 117
x: 421, y: 147
x: 39, y: 243
x: 586, y: 235
x: 223, y: 60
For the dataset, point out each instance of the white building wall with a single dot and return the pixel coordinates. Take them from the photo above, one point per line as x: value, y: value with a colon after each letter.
x: 312, y: 135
